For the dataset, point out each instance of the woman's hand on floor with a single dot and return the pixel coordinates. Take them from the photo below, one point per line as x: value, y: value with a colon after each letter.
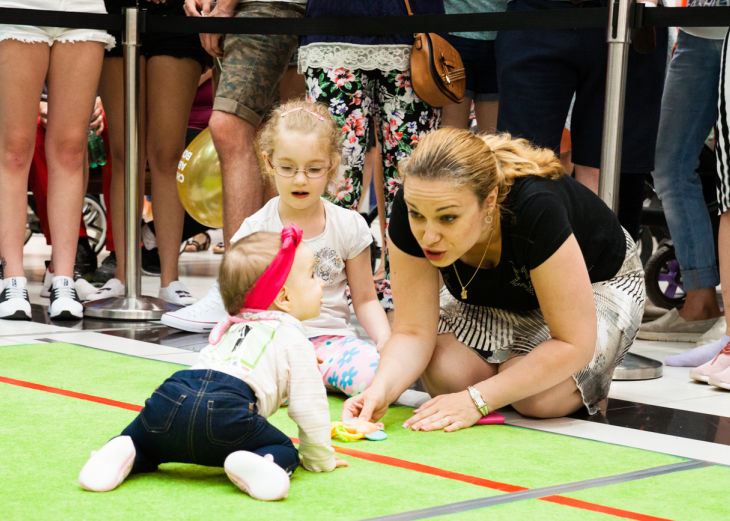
x: 370, y: 405
x: 448, y: 412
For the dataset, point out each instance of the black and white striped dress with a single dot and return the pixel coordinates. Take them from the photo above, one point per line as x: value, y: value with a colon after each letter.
x: 498, y: 335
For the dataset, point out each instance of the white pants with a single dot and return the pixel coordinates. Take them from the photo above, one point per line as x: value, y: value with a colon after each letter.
x: 49, y: 35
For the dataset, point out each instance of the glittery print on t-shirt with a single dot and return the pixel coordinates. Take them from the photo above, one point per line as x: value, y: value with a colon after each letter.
x: 327, y: 265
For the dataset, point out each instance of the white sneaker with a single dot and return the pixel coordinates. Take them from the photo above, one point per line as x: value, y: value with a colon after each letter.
x: 177, y: 293
x: 47, y: 281
x: 257, y: 476
x: 14, y: 301
x: 65, y: 303
x: 83, y: 289
x: 109, y: 466
x: 112, y: 288
x: 201, y: 316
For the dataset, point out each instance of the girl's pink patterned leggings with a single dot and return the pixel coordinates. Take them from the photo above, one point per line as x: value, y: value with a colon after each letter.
x: 349, y: 363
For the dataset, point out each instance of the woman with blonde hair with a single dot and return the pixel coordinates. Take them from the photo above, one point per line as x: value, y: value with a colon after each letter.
x: 543, y: 289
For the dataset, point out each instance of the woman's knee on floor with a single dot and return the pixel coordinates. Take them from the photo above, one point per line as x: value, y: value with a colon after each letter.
x: 549, y: 404
x: 454, y: 366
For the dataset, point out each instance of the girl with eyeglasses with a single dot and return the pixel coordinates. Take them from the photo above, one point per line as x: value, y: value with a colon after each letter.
x: 299, y: 150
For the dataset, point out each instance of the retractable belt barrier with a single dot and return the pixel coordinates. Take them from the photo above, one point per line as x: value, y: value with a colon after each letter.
x: 618, y: 19
x: 556, y: 19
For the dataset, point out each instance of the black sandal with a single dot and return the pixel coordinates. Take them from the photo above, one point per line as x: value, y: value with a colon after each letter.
x: 194, y: 246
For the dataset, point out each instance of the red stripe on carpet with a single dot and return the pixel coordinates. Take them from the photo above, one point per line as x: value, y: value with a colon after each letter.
x: 385, y: 460
x: 434, y: 471
x: 71, y: 394
x: 584, y: 505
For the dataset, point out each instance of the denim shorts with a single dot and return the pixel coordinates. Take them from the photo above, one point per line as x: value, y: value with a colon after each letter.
x: 480, y: 65
x: 49, y: 35
x: 540, y: 70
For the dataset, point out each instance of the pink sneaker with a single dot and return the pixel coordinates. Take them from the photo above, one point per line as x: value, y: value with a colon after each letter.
x: 721, y: 380
x: 717, y: 365
x: 258, y: 477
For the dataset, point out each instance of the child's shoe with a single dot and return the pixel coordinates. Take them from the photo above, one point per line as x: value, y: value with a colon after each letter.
x: 714, y: 366
x: 257, y: 476
x: 109, y: 466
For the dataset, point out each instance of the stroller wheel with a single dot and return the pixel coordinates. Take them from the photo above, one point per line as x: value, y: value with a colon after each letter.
x: 663, y: 278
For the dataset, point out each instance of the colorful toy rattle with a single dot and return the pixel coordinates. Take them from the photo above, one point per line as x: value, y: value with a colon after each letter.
x: 352, y: 430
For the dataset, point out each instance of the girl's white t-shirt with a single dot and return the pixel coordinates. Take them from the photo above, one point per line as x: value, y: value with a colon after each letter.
x: 345, y: 236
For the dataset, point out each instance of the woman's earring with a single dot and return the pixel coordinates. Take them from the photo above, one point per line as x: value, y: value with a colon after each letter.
x: 488, y: 218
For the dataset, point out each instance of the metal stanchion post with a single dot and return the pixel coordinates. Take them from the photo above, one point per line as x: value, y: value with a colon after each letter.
x: 634, y: 367
x: 133, y: 306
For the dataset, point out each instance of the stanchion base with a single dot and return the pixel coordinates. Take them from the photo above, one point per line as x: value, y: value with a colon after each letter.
x: 123, y: 308
x: 637, y: 367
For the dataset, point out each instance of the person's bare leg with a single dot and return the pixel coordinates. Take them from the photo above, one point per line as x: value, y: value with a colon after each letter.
x: 588, y: 176
x: 486, y: 112
x: 566, y: 159
x: 73, y: 77
x: 456, y: 115
x: 242, y: 187
x: 454, y: 366
x: 292, y: 85
x: 723, y: 248
x: 111, y: 90
x: 701, y: 304
x: 558, y: 401
x: 168, y: 110
x: 26, y: 65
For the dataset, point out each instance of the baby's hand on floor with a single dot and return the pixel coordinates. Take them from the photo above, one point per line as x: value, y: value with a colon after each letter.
x: 340, y: 463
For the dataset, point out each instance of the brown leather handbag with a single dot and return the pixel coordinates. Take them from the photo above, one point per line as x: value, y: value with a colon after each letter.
x: 437, y: 72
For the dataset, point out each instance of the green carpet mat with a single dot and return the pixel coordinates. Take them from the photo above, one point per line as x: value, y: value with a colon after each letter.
x: 47, y: 438
x: 684, y: 496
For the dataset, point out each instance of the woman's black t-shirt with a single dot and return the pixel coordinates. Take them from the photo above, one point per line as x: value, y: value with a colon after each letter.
x: 541, y: 214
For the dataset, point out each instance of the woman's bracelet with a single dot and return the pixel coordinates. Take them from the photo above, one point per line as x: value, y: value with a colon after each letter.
x: 478, y: 400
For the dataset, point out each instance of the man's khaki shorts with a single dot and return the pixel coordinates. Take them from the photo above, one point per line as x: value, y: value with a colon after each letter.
x: 253, y: 64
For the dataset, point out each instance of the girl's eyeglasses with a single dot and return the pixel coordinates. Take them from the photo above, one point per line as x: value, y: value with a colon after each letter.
x: 312, y: 172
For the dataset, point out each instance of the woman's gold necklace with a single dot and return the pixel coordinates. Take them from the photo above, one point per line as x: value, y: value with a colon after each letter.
x: 463, y: 287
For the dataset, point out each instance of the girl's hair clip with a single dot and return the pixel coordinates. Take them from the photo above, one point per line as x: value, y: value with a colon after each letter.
x: 318, y: 116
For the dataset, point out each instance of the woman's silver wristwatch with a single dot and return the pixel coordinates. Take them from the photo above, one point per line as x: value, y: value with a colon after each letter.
x: 478, y: 400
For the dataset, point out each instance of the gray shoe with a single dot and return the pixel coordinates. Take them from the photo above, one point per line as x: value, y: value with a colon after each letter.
x: 715, y: 333
x: 673, y: 328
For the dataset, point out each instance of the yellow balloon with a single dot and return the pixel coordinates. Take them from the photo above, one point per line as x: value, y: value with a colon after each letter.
x: 199, y: 182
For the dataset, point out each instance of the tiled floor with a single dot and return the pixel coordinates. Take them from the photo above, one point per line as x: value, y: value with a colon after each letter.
x: 671, y: 414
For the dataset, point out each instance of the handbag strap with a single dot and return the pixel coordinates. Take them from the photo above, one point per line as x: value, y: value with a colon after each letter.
x: 408, y: 7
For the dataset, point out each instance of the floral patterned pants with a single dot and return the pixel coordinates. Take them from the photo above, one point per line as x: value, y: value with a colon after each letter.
x: 401, y: 119
x: 349, y: 363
